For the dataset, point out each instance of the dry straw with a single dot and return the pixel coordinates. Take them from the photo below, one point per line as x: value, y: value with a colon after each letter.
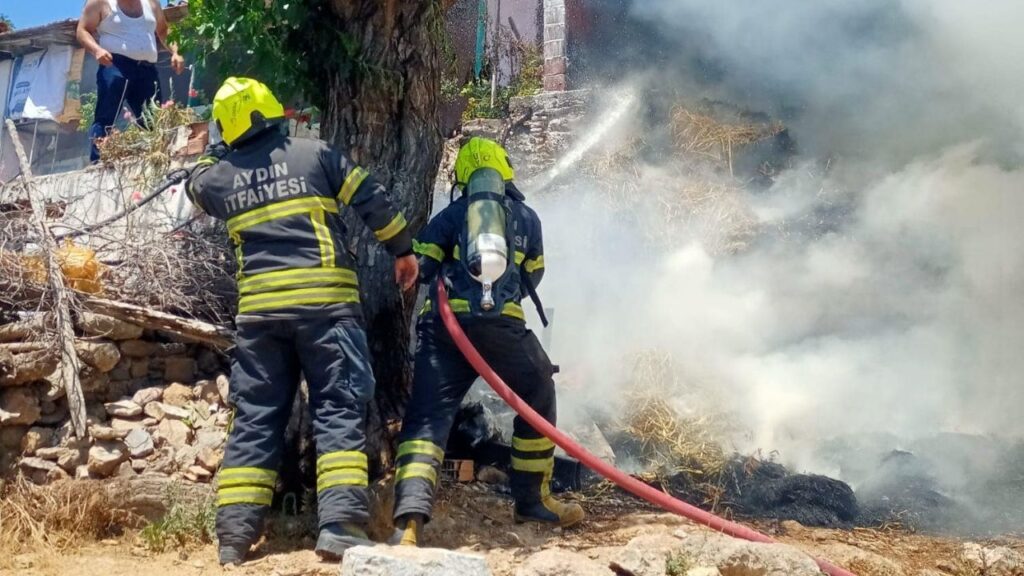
x: 59, y: 516
x: 703, y: 135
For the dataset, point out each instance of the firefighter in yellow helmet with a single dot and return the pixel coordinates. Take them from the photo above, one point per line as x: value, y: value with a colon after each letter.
x: 487, y: 247
x: 298, y: 312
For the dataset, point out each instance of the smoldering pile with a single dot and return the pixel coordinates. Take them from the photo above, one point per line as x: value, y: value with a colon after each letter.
x: 671, y: 438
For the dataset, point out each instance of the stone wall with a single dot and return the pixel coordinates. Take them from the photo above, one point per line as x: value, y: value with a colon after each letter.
x: 153, y: 406
x: 542, y: 128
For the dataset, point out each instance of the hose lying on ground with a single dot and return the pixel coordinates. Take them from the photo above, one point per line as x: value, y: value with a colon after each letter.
x: 591, y: 461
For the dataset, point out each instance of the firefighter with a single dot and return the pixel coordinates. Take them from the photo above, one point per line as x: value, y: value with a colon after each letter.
x: 298, y: 312
x: 487, y: 248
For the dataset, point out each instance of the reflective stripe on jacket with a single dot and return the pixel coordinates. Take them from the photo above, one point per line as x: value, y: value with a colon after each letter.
x: 280, y: 198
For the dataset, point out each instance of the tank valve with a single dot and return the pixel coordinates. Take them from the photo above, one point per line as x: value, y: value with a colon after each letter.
x: 487, y: 301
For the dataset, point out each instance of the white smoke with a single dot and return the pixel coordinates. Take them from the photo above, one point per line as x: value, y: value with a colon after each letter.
x: 895, y: 305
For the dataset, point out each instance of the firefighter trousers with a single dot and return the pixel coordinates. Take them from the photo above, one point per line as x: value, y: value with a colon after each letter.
x: 270, y: 357
x: 441, y: 379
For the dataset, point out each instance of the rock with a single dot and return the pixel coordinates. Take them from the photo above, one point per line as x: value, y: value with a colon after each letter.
x: 51, y: 454
x: 71, y: 458
x: 35, y: 439
x: 125, y: 470
x: 174, y: 433
x: 125, y: 425
x: 223, y: 419
x: 210, y: 458
x: 155, y: 410
x: 198, y: 473
x: 211, y: 438
x: 101, y: 355
x: 993, y: 560
x: 223, y: 386
x: 105, y: 457
x: 645, y: 556
x: 94, y: 381
x: 56, y: 474
x: 147, y: 395
x: 163, y: 461
x: 20, y: 369
x: 704, y: 571
x: 139, y: 348
x: 171, y: 349
x: 19, y: 407
x: 139, y: 443
x: 159, y: 411
x: 177, y: 395
x: 123, y: 409
x: 140, y: 368
x: 177, y: 413
x: 410, y: 561
x: 140, y: 465
x: 206, y: 390
x: 149, y: 422
x: 82, y: 472
x: 107, y: 327
x: 33, y: 464
x: 561, y: 562
x: 861, y: 561
x: 179, y: 369
x: 186, y: 457
x: 106, y: 433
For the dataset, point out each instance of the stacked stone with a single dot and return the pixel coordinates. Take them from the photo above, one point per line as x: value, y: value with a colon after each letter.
x: 555, y: 52
x: 153, y: 406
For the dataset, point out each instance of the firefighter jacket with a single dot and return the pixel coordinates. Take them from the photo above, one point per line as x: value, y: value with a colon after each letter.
x: 437, y: 247
x: 280, y: 198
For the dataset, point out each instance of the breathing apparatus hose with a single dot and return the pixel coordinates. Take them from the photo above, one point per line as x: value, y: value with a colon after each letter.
x: 563, y: 441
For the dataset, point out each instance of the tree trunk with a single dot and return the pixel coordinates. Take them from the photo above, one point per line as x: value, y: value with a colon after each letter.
x: 384, y: 110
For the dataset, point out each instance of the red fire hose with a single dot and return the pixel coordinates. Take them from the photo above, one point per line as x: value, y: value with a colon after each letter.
x: 591, y: 461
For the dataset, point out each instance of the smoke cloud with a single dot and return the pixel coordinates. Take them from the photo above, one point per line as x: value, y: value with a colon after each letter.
x: 879, y: 298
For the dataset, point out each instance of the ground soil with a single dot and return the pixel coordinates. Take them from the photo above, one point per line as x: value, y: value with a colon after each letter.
x: 473, y: 519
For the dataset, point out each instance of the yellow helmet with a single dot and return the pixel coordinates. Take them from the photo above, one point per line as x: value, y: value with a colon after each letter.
x: 482, y: 153
x: 243, y: 107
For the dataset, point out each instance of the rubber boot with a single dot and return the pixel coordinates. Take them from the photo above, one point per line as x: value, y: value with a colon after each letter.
x: 336, y: 538
x: 408, y: 529
x: 231, y: 554
x: 549, y: 510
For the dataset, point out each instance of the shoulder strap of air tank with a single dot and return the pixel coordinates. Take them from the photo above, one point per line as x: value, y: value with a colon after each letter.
x: 532, y: 291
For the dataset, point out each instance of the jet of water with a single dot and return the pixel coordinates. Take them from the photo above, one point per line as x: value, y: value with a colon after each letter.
x: 623, y: 102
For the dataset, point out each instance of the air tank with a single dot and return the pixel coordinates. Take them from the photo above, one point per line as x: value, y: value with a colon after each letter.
x: 487, y: 250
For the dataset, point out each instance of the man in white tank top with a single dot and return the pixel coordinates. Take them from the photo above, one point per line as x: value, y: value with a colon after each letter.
x: 124, y: 36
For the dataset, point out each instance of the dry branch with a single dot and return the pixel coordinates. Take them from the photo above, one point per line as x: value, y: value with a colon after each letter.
x: 23, y: 330
x: 69, y: 365
x: 194, y: 330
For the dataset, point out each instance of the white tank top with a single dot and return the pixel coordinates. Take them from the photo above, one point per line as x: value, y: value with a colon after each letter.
x: 127, y: 36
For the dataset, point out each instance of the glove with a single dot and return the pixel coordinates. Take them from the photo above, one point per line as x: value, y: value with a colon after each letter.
x: 217, y: 151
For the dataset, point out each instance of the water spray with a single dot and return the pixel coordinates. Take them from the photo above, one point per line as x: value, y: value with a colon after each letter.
x: 624, y: 102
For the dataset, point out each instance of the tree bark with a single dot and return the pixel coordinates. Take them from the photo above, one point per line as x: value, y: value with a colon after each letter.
x: 384, y: 110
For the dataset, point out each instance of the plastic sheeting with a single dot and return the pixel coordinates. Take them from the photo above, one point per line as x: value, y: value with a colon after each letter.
x: 40, y: 83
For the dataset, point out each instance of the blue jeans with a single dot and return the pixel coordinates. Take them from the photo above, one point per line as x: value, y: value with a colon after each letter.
x: 128, y: 82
